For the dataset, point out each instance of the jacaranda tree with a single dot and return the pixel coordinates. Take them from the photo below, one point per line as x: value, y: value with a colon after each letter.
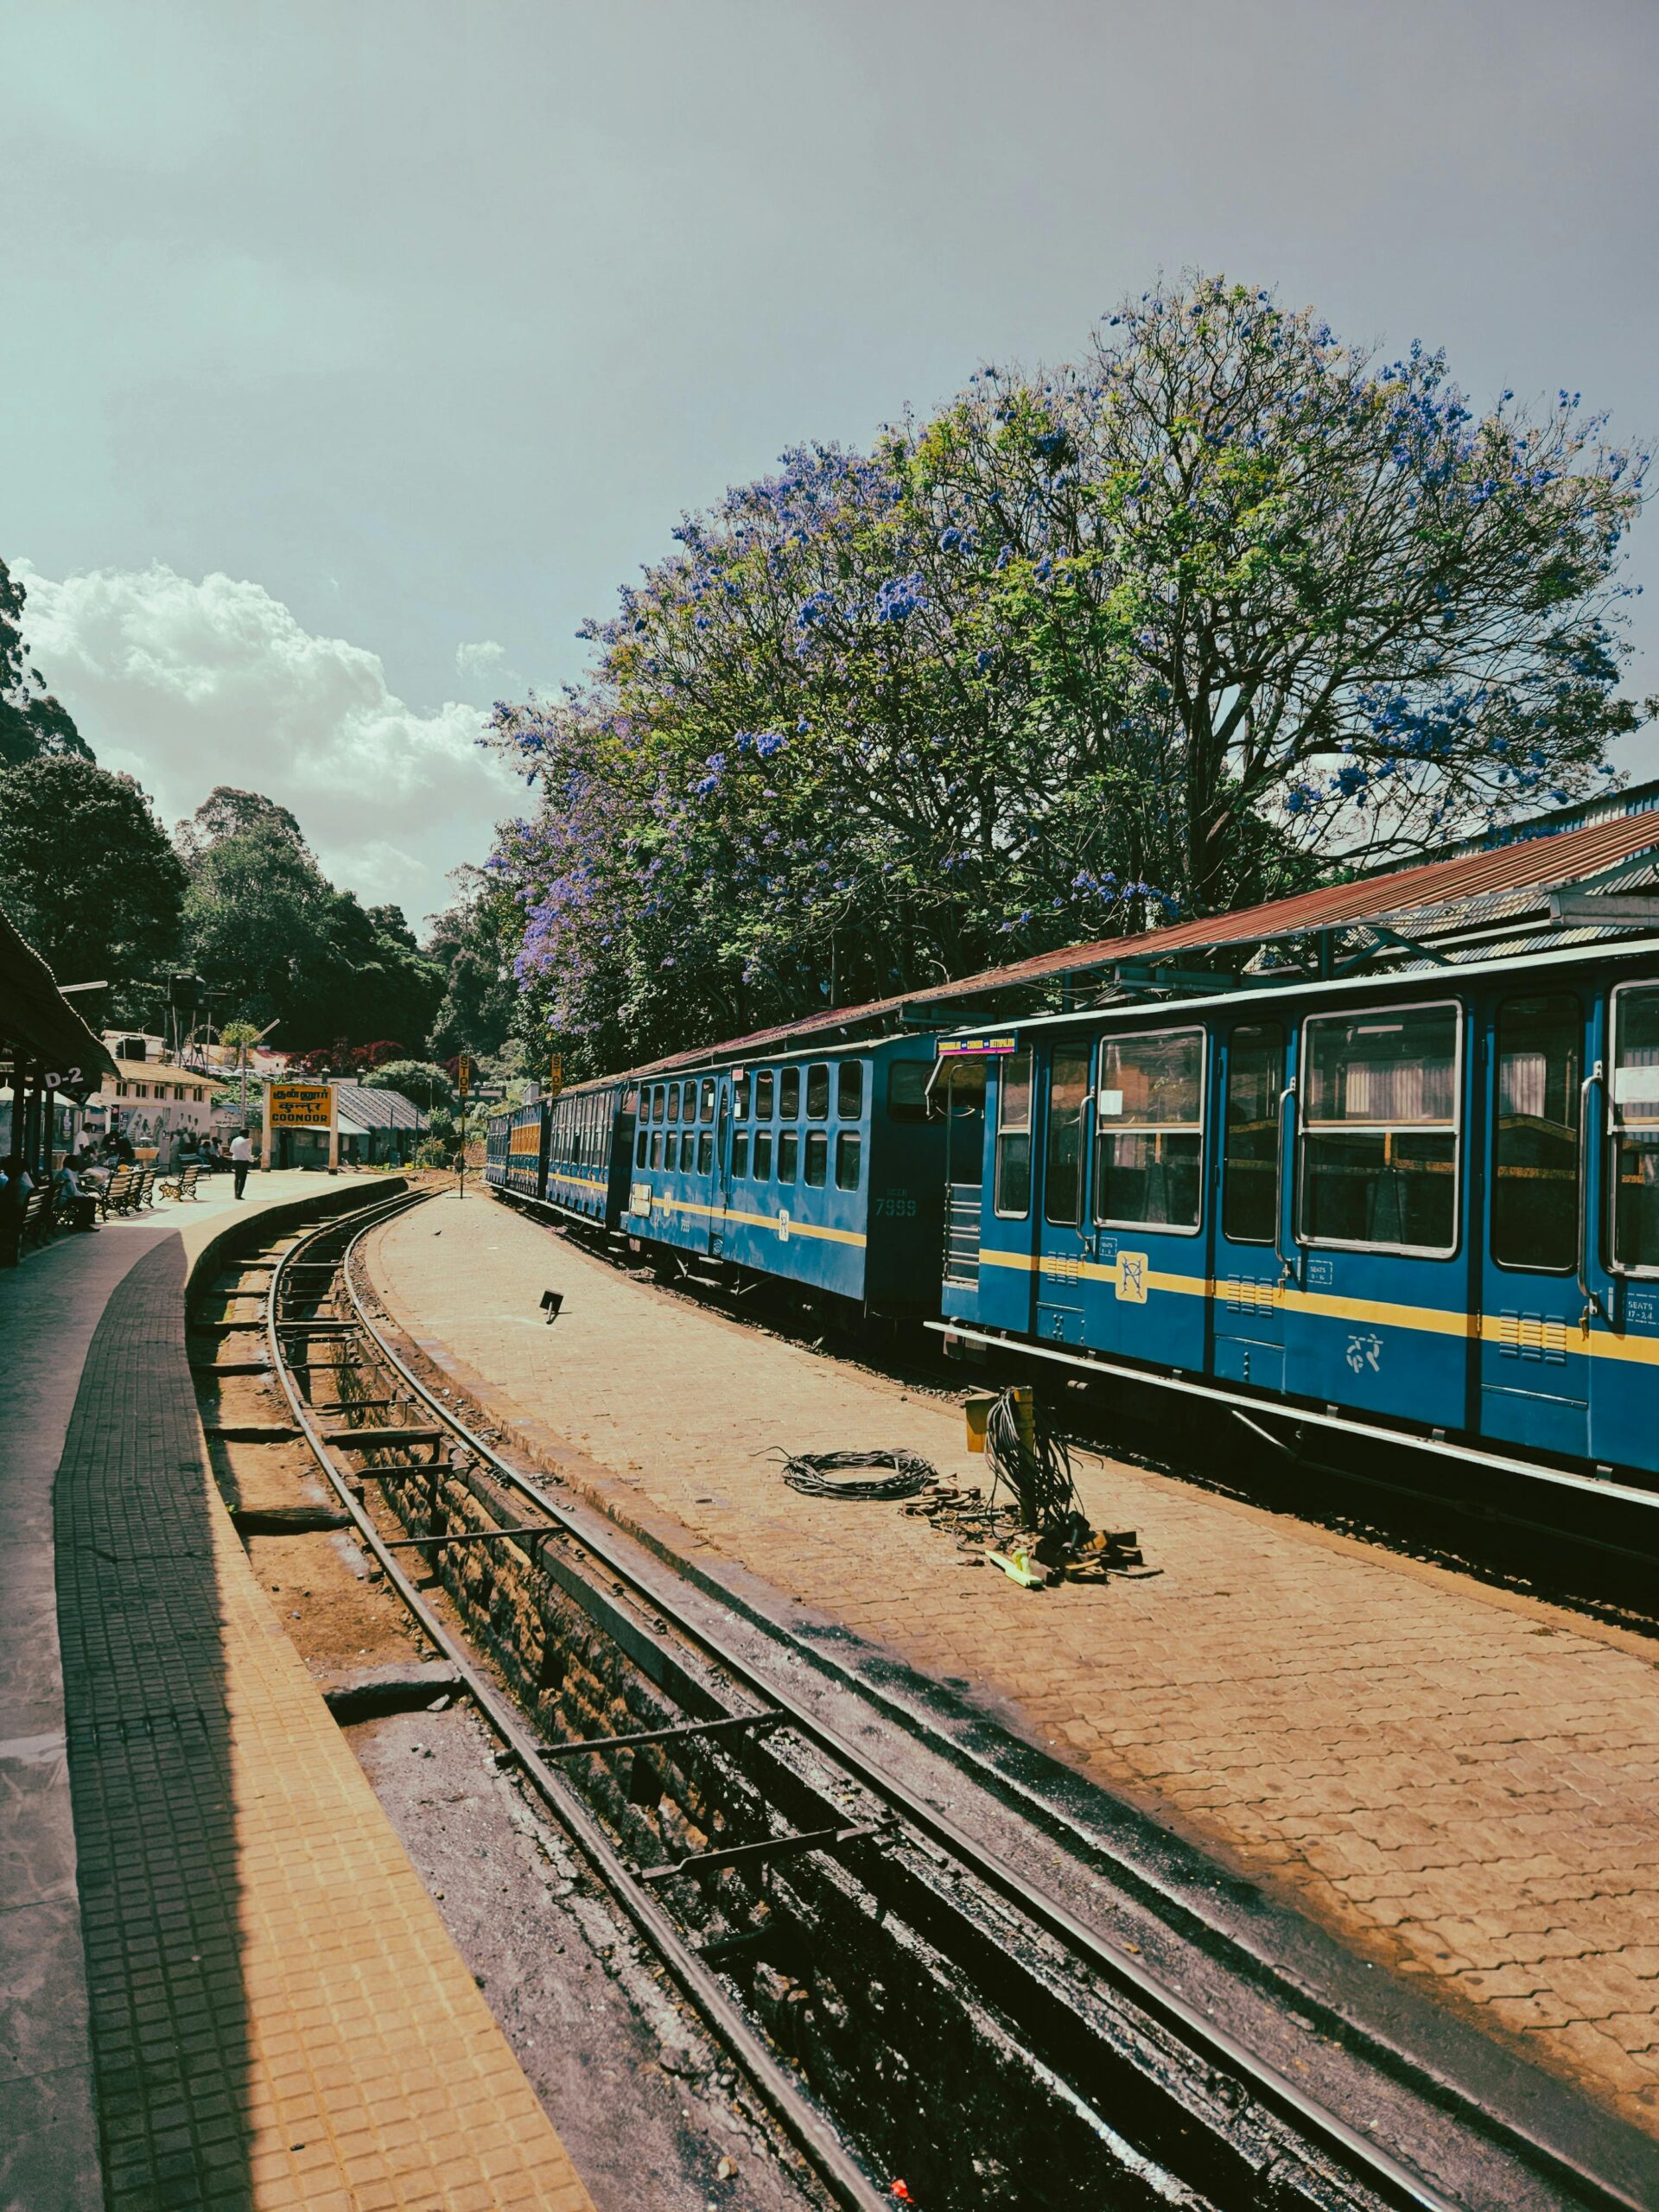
x: 1154, y: 633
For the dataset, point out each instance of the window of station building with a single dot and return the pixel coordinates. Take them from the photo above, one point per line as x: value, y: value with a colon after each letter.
x: 1379, y: 1145
x: 1536, y: 1138
x: 817, y: 1091
x: 1249, y: 1189
x: 1068, y: 1083
x: 1633, y: 1118
x: 740, y: 1095
x: 706, y: 1153
x: 763, y: 1155
x: 764, y: 1085
x: 907, y: 1098
x: 849, y: 1094
x: 789, y: 1094
x: 706, y: 1105
x: 740, y: 1152
x: 1149, y: 1130
x: 817, y: 1160
x: 1012, y: 1189
x: 789, y: 1153
x: 849, y: 1151
x: 655, y: 1147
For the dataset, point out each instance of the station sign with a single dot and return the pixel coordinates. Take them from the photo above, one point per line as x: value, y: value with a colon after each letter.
x: 958, y: 1048
x: 300, y: 1105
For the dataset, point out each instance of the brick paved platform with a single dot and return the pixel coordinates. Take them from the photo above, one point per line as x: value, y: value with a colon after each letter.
x: 228, y: 1988
x: 1457, y: 1782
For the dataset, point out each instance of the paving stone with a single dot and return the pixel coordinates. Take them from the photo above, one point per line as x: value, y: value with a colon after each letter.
x: 1395, y: 1748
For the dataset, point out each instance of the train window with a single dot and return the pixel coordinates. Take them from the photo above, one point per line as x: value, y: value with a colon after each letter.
x: 1013, y: 1191
x: 1633, y: 1114
x: 673, y: 1102
x: 1535, y: 1141
x: 657, y: 1101
x: 789, y: 1093
x: 907, y: 1090
x: 740, y: 1095
x: 1149, y: 1130
x: 849, y: 1094
x: 764, y: 1085
x: 1250, y: 1191
x: 706, y: 1105
x: 817, y: 1091
x: 740, y: 1152
x: 763, y: 1155
x: 964, y: 1085
x: 1380, y: 1130
x: 640, y: 1144
x: 1068, y: 1083
x: 817, y: 1159
x: 789, y: 1149
x: 849, y: 1147
x: 706, y: 1153
x: 655, y: 1147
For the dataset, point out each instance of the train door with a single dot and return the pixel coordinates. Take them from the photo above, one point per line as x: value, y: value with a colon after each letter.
x: 731, y: 1103
x: 1380, y: 1318
x: 1063, y: 1236
x: 1620, y: 1276
x: 1534, y: 1351
x: 963, y: 1085
x: 1248, y: 1201
x: 1149, y: 1299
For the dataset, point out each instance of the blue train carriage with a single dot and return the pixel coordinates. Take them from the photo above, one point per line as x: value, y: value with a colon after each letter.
x: 818, y: 1165
x: 515, y: 1155
x: 589, y: 1150
x: 1428, y: 1201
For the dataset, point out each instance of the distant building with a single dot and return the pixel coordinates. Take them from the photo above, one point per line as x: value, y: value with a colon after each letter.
x: 150, y: 1098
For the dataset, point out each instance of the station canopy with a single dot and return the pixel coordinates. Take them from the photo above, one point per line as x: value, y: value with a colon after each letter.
x: 1587, y: 873
x: 39, y: 1028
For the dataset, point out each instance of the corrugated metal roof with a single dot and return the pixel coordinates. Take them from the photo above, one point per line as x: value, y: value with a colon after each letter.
x: 35, y: 1015
x: 379, y: 1109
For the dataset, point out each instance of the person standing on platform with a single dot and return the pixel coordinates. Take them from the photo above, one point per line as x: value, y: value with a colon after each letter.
x: 241, y: 1160
x: 16, y: 1184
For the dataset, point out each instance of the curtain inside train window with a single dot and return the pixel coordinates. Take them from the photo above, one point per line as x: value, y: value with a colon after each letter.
x: 1380, y: 1130
x: 1536, y: 1193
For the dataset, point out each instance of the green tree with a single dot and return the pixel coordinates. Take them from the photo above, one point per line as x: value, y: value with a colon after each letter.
x: 276, y: 941
x: 88, y: 875
x: 424, y: 1081
x: 475, y: 942
x: 1160, y: 632
x: 32, y: 721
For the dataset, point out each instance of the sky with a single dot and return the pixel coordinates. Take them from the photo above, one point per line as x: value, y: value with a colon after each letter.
x: 350, y: 355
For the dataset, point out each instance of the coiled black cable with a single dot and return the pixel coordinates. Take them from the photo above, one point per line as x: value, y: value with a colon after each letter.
x: 812, y: 1473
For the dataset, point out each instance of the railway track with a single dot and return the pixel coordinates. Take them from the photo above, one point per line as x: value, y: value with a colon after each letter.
x: 901, y: 1997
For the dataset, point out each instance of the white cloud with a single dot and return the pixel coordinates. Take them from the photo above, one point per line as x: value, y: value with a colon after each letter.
x: 186, y: 685
x: 480, y: 659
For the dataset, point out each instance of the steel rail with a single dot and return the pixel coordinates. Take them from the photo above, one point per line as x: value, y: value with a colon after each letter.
x: 1119, y: 1967
x: 811, y: 2130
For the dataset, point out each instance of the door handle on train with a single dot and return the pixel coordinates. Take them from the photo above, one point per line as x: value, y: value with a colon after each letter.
x: 1287, y: 1185
x: 1591, y: 1298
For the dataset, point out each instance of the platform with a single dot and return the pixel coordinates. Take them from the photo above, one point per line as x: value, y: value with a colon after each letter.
x: 221, y: 1981
x: 1456, y: 1782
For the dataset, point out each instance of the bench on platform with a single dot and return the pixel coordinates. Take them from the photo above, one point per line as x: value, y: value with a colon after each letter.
x: 116, y: 1196
x: 183, y: 1184
x: 38, y: 1223
x: 143, y: 1189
